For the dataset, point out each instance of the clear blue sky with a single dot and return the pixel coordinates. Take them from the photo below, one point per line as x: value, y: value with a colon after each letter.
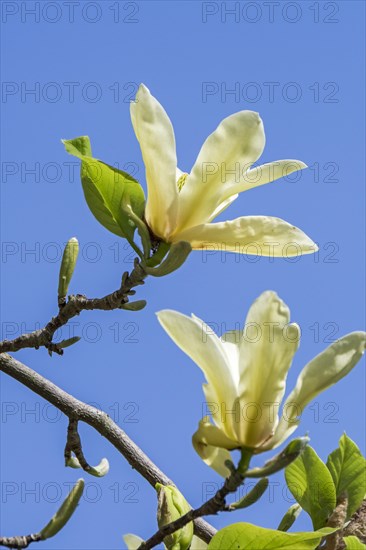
x: 300, y: 65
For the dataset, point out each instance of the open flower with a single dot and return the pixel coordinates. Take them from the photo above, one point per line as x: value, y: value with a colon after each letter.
x: 246, y: 374
x: 181, y: 206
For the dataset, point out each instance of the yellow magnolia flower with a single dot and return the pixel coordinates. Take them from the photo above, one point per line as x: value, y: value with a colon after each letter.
x: 181, y: 206
x: 246, y: 374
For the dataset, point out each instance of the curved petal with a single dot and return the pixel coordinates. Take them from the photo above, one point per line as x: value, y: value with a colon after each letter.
x: 203, y: 346
x: 212, y: 455
x: 222, y: 207
x: 323, y: 371
x: 267, y: 348
x: 155, y: 134
x: 231, y: 343
x: 221, y: 411
x: 266, y: 173
x: 237, y: 143
x: 258, y: 235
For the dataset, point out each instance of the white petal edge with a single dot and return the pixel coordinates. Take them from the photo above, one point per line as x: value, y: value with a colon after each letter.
x: 325, y: 370
x: 203, y: 346
x: 155, y: 134
x: 254, y: 235
x: 236, y: 144
x: 213, y: 456
x: 266, y: 173
x: 267, y: 349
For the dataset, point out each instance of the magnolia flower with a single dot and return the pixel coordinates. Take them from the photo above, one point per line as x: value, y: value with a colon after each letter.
x: 181, y: 206
x: 246, y: 374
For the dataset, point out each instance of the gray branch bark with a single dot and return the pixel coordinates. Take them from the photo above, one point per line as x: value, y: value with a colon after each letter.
x: 101, y: 422
x: 74, y: 306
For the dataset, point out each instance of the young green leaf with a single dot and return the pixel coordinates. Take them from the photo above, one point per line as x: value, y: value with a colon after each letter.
x: 134, y: 306
x: 348, y: 469
x: 68, y: 342
x: 107, y: 189
x: 280, y: 461
x: 132, y: 542
x: 289, y: 518
x: 253, y: 495
x: 198, y: 544
x: 78, y: 147
x: 65, y: 512
x: 353, y: 543
x: 243, y: 536
x: 177, y: 255
x: 100, y: 470
x: 159, y: 255
x: 311, y: 484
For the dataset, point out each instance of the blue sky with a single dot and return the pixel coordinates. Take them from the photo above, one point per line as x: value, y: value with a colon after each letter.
x: 300, y: 65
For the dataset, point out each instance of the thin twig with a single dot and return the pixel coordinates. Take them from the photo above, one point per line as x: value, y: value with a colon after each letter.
x: 19, y: 542
x: 101, y: 422
x: 73, y: 445
x: 73, y: 307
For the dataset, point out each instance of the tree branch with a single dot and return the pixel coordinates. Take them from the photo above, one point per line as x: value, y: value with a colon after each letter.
x: 73, y: 445
x: 19, y: 542
x: 73, y: 307
x: 101, y: 422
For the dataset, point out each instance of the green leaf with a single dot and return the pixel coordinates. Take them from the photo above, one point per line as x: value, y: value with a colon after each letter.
x: 177, y: 255
x: 245, y: 536
x: 311, y: 484
x: 198, y: 544
x: 100, y: 470
x: 353, y: 543
x: 78, y: 147
x: 65, y: 512
x: 132, y: 542
x: 348, y: 469
x: 253, y: 495
x: 280, y: 461
x: 289, y: 518
x: 134, y: 306
x: 159, y: 255
x: 69, y: 342
x: 107, y: 190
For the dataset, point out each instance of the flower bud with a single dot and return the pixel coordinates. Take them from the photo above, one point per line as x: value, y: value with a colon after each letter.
x: 171, y: 506
x: 290, y: 517
x: 65, y: 512
x: 68, y: 263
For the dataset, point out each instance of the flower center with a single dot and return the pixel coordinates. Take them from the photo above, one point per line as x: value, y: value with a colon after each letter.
x: 182, y: 181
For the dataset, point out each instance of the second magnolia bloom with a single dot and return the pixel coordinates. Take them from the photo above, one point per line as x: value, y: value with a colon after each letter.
x: 246, y: 377
x: 181, y: 206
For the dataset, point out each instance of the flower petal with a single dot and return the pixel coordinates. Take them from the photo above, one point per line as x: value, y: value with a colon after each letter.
x: 237, y: 142
x: 155, y: 134
x: 222, y: 206
x: 266, y: 173
x: 267, y: 347
x: 212, y: 455
x: 203, y: 346
x: 323, y: 371
x: 258, y: 235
